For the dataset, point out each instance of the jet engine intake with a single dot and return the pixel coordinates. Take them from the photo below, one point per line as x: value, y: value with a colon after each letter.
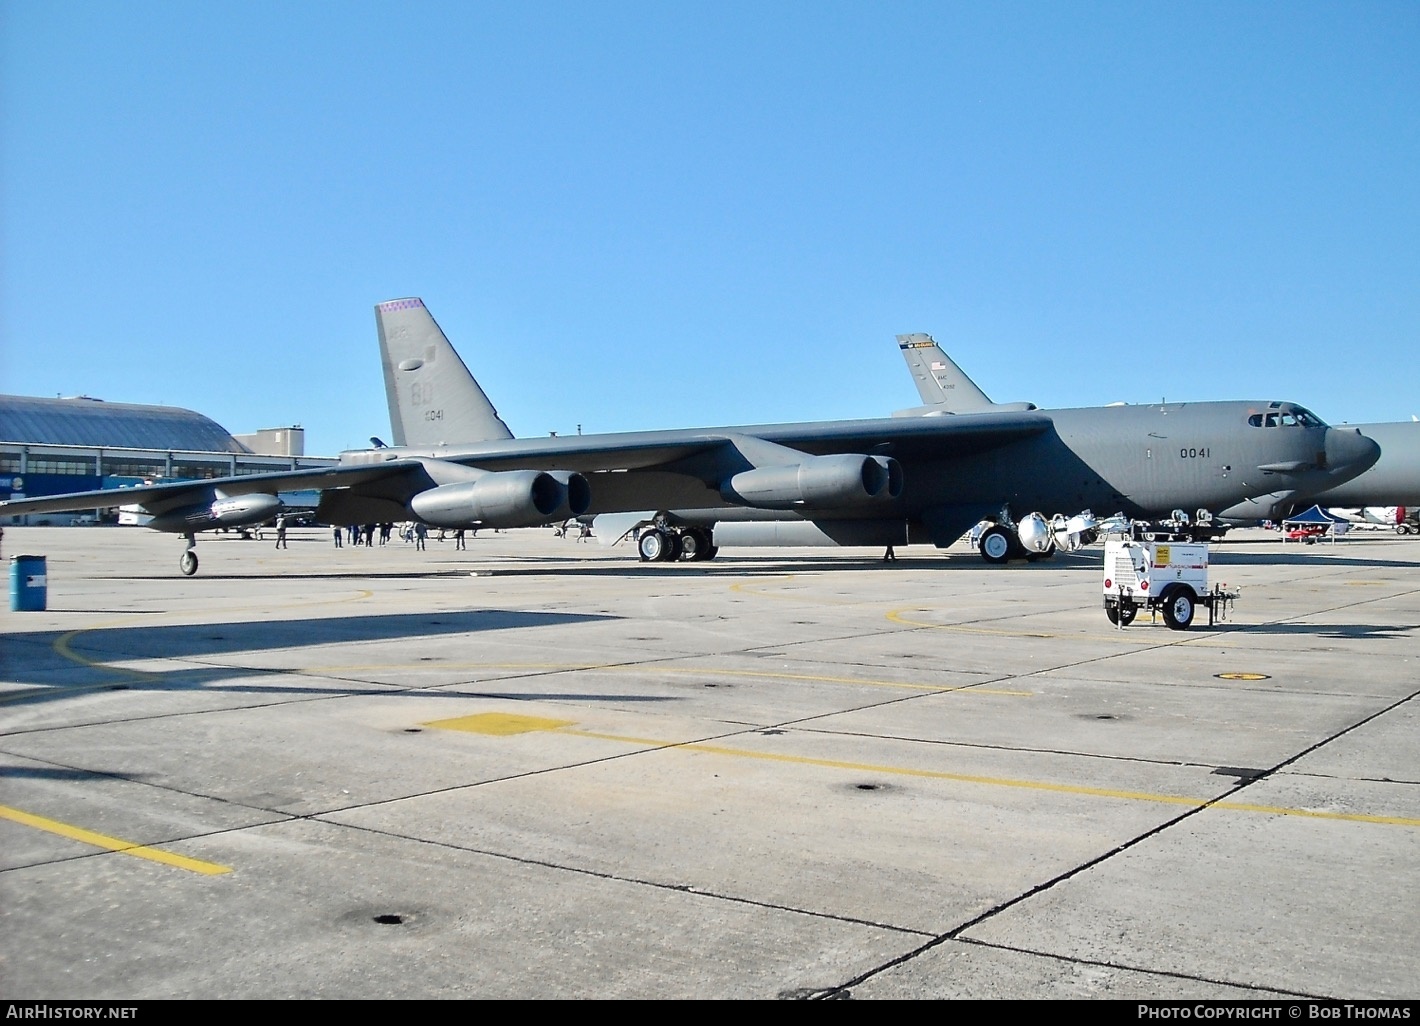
x: 510, y: 498
x: 820, y: 482
x: 579, y: 492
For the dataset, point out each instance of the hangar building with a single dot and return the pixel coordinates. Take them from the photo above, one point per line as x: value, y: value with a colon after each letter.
x: 53, y: 446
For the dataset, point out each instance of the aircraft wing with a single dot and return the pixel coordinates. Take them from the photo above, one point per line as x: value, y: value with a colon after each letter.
x: 916, y: 438
x: 177, y: 492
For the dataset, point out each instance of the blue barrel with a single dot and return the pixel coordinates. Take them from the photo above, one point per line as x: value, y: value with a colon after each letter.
x: 27, y: 584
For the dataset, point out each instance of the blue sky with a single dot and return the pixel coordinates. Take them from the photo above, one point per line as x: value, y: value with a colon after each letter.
x: 676, y: 214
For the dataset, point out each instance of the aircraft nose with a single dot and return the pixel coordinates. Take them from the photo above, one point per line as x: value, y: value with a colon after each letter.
x: 1348, y: 452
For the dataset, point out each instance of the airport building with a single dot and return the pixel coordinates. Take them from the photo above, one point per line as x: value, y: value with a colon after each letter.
x: 54, y: 446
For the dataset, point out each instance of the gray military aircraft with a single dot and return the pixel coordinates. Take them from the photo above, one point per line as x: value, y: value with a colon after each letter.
x: 1394, y: 479
x: 889, y: 481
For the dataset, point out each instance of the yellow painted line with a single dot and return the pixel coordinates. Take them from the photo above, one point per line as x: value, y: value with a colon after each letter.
x: 1132, y: 636
x: 897, y: 616
x: 63, y: 645
x: 113, y: 844
x: 745, y: 588
x: 1354, y: 817
x: 972, y: 778
x: 754, y: 588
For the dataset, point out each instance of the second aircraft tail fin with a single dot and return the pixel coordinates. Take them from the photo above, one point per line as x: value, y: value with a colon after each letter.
x: 433, y: 398
x: 939, y: 380
x: 943, y: 386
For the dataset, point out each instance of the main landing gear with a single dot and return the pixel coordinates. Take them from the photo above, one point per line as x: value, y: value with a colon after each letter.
x: 666, y: 544
x: 999, y: 544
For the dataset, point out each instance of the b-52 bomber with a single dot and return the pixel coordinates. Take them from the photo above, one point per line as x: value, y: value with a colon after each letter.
x: 888, y: 481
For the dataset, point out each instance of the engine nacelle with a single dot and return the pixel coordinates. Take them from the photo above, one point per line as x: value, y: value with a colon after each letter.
x: 510, y: 498
x: 579, y: 492
x: 820, y: 482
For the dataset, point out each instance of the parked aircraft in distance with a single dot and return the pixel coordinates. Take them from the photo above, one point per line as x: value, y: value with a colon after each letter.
x: 1394, y: 479
x: 1373, y: 516
x: 889, y: 481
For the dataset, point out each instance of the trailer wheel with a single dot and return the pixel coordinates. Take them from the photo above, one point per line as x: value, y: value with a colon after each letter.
x: 1178, y: 608
x: 1122, y: 614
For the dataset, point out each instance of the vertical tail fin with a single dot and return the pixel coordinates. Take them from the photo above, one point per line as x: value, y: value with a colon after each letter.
x: 433, y: 399
x: 940, y: 382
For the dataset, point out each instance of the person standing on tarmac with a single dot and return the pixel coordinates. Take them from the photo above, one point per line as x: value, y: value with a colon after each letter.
x: 420, y: 533
x: 280, y: 532
x: 336, y: 532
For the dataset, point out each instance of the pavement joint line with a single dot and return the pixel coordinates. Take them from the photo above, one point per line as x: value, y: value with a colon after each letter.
x: 649, y: 668
x: 614, y: 877
x: 1173, y: 974
x: 956, y: 933
x: 113, y: 844
x: 1068, y: 960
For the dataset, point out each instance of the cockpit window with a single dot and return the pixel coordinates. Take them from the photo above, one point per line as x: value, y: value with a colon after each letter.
x: 1286, y: 415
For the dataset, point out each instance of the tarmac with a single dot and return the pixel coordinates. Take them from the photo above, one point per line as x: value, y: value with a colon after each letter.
x: 539, y: 768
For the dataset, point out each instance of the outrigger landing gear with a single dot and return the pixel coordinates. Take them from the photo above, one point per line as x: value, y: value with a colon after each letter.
x: 187, y: 563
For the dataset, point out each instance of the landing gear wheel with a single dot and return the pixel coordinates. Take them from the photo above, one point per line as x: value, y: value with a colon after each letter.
x: 1047, y: 554
x: 187, y: 563
x: 996, y: 544
x: 657, y: 546
x: 651, y: 546
x: 694, y: 544
x: 1178, y: 609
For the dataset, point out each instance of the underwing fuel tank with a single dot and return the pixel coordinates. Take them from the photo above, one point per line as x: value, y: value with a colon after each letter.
x: 224, y: 511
